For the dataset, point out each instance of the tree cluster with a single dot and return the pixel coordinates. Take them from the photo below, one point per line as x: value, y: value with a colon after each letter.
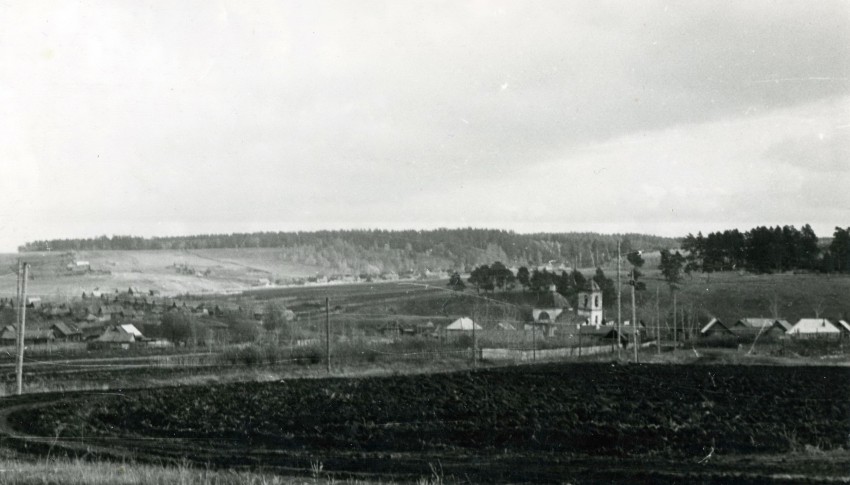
x: 836, y: 258
x: 376, y: 251
x: 759, y: 250
x: 489, y: 278
x: 497, y: 276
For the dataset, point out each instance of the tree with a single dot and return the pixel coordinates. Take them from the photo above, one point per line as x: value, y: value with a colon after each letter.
x: 502, y: 276
x: 636, y: 260
x: 179, y: 327
x: 606, y: 284
x: 276, y: 320
x: 671, y: 269
x: 481, y: 278
x: 809, y: 249
x: 522, y: 275
x: 242, y: 329
x: 456, y: 282
x: 840, y: 249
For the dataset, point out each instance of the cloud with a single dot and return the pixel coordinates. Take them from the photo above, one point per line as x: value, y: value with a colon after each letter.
x: 211, y: 114
x: 814, y: 152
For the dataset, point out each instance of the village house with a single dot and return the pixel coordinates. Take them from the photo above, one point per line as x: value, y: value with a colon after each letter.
x: 65, y: 332
x: 118, y: 336
x: 34, y: 336
x: 814, y: 328
x: 844, y: 326
x: 461, y: 326
x: 715, y: 328
x: 761, y: 327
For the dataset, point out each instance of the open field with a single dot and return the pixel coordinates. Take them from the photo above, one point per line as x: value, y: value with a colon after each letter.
x: 730, y: 296
x: 528, y: 423
x: 167, y: 271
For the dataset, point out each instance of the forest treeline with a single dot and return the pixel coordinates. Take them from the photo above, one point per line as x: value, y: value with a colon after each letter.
x: 383, y: 250
x: 767, y: 250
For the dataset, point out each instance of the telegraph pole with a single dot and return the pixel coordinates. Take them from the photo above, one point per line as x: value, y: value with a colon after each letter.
x: 23, y: 271
x: 619, y: 300
x: 657, y: 322
x: 533, y: 340
x: 634, y: 315
x: 328, y: 332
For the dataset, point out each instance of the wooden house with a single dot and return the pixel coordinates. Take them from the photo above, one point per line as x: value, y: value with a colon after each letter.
x: 715, y: 328
x: 761, y: 327
x: 814, y: 328
x: 66, y: 332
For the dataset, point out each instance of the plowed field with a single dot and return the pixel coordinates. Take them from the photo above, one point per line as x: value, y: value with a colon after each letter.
x: 535, y: 423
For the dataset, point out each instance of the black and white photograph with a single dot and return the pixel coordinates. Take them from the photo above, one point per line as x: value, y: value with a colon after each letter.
x: 424, y: 242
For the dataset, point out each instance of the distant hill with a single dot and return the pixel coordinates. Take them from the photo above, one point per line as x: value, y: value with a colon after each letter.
x: 380, y: 251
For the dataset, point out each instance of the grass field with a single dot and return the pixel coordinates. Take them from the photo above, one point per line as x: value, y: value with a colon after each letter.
x: 170, y: 272
x: 730, y: 296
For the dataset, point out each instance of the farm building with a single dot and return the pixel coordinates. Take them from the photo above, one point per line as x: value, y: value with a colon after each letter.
x: 9, y: 336
x: 66, y: 332
x: 715, y: 328
x: 762, y: 327
x: 607, y: 334
x: 813, y: 328
x: 844, y: 326
x: 91, y: 330
x: 118, y: 336
x: 505, y: 326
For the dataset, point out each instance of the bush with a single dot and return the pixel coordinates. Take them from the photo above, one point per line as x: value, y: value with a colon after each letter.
x: 307, y: 355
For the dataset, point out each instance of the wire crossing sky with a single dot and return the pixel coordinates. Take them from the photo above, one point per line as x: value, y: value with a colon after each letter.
x: 163, y: 118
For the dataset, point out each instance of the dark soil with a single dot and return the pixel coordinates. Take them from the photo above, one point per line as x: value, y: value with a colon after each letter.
x: 530, y: 423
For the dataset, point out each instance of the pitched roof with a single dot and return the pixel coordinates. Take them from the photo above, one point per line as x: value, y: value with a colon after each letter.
x: 64, y: 329
x: 120, y: 333
x: 714, y: 323
x: 131, y: 329
x: 763, y: 322
x: 463, y: 323
x: 844, y: 325
x: 813, y: 326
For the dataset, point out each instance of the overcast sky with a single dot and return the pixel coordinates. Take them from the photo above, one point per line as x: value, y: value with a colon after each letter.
x: 160, y: 118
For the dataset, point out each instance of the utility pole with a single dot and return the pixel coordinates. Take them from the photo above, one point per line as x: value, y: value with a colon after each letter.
x: 475, y: 343
x: 657, y: 321
x: 634, y: 315
x: 675, y: 339
x: 619, y: 300
x: 23, y: 271
x: 533, y: 340
x: 328, y: 332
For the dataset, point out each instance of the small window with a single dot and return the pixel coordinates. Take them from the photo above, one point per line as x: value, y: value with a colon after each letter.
x: 596, y: 301
x: 585, y: 301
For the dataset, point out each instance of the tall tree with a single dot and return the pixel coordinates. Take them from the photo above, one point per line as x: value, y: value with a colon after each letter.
x: 276, y: 319
x: 456, y: 282
x: 840, y: 249
x: 481, y: 278
x: 503, y: 278
x: 671, y: 269
x: 522, y: 275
